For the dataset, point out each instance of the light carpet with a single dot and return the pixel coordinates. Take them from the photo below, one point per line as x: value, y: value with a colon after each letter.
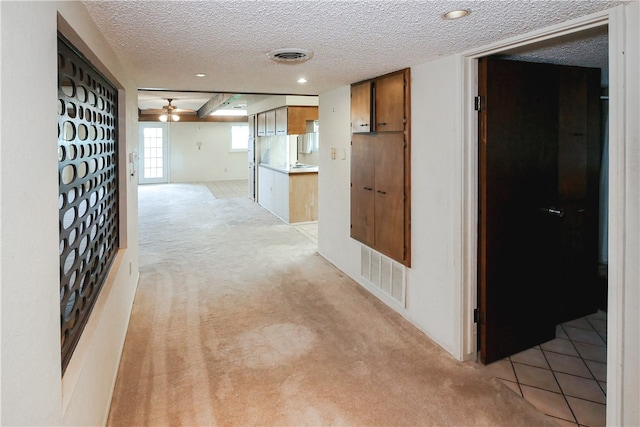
x: 239, y: 322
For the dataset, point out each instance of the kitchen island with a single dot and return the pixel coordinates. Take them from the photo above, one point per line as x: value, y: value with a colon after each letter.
x: 289, y: 191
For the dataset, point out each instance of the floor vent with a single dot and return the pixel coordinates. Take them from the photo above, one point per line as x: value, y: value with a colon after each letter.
x: 384, y: 274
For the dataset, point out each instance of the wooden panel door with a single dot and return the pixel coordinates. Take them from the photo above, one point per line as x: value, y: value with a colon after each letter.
x: 533, y: 164
x: 578, y: 191
x: 389, y: 195
x: 298, y: 116
x: 518, y: 173
x: 363, y: 154
x: 389, y: 103
x: 361, y: 107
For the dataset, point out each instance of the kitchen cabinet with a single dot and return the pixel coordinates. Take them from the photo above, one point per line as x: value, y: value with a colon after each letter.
x: 297, y: 118
x: 251, y: 157
x: 290, y: 120
x: 292, y: 197
x: 270, y: 123
x: 381, y: 166
x: 281, y: 121
x: 262, y: 124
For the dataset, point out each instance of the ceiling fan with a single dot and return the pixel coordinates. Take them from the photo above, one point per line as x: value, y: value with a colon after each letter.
x: 168, y: 115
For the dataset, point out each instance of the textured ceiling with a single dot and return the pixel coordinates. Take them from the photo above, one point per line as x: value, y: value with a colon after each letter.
x: 165, y: 43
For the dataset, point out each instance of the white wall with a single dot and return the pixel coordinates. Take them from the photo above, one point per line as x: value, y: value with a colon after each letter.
x: 33, y: 392
x: 214, y: 161
x: 434, y: 300
x: 435, y: 175
x: 334, y: 178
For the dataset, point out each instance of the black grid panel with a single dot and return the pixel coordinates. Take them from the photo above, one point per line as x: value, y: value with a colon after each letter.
x: 88, y: 195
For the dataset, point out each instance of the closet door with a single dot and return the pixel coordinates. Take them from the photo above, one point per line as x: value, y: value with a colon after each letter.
x: 362, y: 188
x: 389, y: 194
x: 389, y: 103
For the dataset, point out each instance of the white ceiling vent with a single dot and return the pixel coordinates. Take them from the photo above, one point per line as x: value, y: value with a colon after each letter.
x: 290, y: 55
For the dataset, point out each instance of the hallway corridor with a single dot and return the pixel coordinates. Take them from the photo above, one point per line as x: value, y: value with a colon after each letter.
x: 238, y: 321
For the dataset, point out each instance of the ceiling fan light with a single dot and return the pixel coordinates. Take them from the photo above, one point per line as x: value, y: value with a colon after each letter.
x: 163, y: 118
x: 175, y: 118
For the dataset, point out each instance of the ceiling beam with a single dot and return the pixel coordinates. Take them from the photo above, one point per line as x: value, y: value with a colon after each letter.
x: 215, y: 102
x: 194, y: 118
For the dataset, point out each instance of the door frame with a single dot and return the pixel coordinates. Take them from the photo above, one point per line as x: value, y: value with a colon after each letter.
x: 468, y: 196
x: 165, y: 153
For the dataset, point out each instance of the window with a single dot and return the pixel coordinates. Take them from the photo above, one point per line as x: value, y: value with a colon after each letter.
x: 153, y: 153
x: 239, y: 138
x: 88, y: 190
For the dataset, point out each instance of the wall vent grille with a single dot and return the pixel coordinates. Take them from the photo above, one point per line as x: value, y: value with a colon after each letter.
x: 384, y: 274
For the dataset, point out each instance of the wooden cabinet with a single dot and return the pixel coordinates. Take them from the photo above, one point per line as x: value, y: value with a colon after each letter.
x: 378, y: 192
x: 389, y: 104
x: 297, y: 118
x: 380, y: 166
x: 378, y: 105
x: 291, y: 120
x: 361, y: 107
x: 292, y: 197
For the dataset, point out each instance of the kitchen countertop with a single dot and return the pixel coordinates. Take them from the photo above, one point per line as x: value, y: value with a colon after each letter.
x: 292, y: 169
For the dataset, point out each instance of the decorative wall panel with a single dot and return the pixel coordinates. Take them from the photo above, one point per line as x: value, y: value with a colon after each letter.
x: 88, y: 189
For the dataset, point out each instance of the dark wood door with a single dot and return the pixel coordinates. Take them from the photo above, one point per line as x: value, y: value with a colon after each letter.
x: 362, y: 187
x: 530, y: 222
x: 389, y: 194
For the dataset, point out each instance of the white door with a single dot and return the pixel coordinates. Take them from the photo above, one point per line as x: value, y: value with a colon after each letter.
x: 154, y: 153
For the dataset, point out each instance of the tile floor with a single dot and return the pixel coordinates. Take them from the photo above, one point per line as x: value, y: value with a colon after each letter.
x: 308, y: 229
x: 238, y: 188
x: 228, y: 189
x: 565, y: 378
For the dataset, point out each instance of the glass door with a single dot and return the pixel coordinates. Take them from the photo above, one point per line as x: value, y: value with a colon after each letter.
x: 154, y: 153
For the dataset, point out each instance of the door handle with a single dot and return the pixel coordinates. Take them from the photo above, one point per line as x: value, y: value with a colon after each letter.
x: 382, y: 192
x: 368, y: 188
x: 553, y: 211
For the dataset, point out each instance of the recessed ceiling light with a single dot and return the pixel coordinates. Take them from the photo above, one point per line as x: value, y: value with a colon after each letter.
x: 201, y: 75
x: 302, y: 80
x: 456, y: 14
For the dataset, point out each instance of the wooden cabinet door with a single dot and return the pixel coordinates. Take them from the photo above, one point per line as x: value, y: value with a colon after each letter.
x: 270, y: 119
x: 298, y: 116
x: 281, y: 121
x: 362, y: 188
x: 361, y: 107
x: 389, y: 103
x: 262, y: 124
x: 389, y: 195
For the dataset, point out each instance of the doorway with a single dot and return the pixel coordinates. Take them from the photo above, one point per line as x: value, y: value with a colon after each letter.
x: 153, y: 149
x: 539, y: 169
x: 541, y: 361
